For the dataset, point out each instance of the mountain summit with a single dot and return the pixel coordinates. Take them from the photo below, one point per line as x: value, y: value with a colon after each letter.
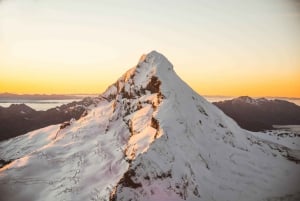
x: 150, y: 137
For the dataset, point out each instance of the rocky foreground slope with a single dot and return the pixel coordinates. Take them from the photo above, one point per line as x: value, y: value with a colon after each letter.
x: 150, y: 137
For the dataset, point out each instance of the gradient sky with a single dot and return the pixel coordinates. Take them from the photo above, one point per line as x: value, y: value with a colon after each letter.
x: 225, y: 47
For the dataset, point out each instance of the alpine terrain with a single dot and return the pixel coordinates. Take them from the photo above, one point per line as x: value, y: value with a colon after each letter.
x: 25, y: 119
x: 260, y: 114
x: 149, y: 136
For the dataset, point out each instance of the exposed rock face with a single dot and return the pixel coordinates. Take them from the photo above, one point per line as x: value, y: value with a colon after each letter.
x: 150, y: 137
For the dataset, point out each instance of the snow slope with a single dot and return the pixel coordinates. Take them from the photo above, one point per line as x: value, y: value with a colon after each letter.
x: 151, y: 137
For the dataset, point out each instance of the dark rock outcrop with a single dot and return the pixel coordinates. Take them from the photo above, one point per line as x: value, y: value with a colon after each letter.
x: 260, y: 114
x: 19, y: 119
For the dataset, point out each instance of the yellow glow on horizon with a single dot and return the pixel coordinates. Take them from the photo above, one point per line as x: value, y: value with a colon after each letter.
x: 96, y: 82
x: 58, y: 47
x: 264, y: 88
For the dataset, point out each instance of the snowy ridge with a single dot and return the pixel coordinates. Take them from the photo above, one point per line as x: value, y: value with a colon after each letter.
x: 249, y: 100
x: 151, y: 137
x: 85, y: 158
x: 137, y: 93
x: 204, y: 155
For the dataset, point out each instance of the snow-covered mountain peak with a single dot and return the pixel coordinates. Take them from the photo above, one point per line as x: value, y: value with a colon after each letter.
x: 137, y: 95
x: 145, y: 78
x: 156, y: 60
x: 151, y: 137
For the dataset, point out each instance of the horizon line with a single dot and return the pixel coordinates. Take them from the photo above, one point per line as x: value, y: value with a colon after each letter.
x: 96, y: 94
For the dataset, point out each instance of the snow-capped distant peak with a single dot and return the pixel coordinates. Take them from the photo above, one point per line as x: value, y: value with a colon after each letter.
x: 249, y: 100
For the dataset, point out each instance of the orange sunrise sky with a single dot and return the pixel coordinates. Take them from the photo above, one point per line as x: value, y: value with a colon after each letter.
x: 228, y: 48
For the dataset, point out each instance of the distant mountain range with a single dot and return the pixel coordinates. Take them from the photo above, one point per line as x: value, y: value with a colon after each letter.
x: 260, y: 114
x: 251, y: 114
x: 19, y: 119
